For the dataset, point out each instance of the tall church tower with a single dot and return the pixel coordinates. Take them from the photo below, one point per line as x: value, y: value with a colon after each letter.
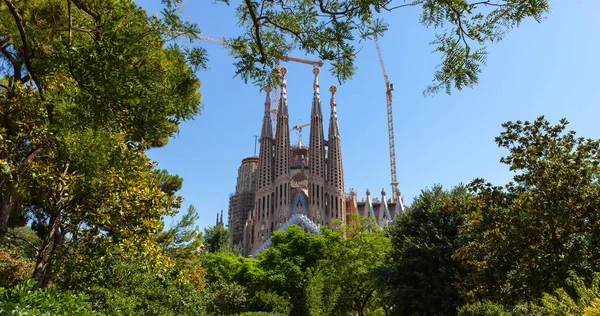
x: 264, y: 177
x: 282, y: 161
x: 335, y: 172
x: 316, y: 151
x: 296, y: 185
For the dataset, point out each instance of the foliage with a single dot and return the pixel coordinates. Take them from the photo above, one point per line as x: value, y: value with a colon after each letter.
x: 523, y: 239
x: 290, y: 263
x: 120, y: 287
x: 22, y: 239
x: 21, y: 300
x: 578, y: 299
x: 333, y: 30
x: 270, y: 302
x: 229, y: 267
x: 483, y: 308
x: 419, y: 274
x: 85, y: 89
x: 217, y: 238
x: 350, y: 265
x: 13, y: 267
x: 183, y: 238
x: 228, y: 299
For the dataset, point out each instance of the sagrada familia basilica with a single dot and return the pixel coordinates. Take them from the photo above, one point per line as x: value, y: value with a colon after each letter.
x: 302, y: 185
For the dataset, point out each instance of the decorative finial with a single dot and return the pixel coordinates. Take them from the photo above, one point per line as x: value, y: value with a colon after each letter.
x: 332, y: 102
x: 316, y: 71
x: 368, y: 192
x: 382, y: 192
x: 352, y: 192
x: 268, y: 89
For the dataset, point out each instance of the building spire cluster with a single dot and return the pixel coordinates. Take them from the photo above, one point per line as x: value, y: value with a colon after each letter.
x: 294, y: 181
x: 297, y: 185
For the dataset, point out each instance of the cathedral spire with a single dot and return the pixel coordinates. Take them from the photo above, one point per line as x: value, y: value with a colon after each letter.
x: 265, y: 164
x: 333, y: 123
x: 282, y: 134
x: 282, y: 156
x: 267, y: 127
x: 335, y: 172
x: 316, y: 106
x: 316, y: 150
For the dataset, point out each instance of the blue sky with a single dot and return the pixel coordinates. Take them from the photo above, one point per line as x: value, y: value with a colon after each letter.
x: 538, y: 69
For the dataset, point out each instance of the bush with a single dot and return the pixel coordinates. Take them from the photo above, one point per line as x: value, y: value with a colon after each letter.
x: 584, y: 300
x: 228, y: 299
x: 270, y: 302
x: 483, y: 308
x: 13, y: 268
x: 21, y: 300
x: 127, y: 288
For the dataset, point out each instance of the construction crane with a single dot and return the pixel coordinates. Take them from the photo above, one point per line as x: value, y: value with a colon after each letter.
x: 298, y: 127
x: 389, y: 87
x: 277, y: 90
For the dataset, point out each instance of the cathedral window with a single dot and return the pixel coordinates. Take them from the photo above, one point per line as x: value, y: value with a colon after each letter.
x: 272, y: 204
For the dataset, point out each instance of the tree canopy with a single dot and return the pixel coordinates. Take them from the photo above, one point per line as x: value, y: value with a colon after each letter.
x: 333, y: 31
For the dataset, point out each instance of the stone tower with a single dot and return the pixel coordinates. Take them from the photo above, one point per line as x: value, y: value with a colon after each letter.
x: 281, y: 172
x: 335, y: 172
x: 264, y: 179
x: 295, y: 184
x: 241, y: 202
x: 316, y: 150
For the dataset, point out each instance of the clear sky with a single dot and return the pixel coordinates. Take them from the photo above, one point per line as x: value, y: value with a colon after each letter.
x: 538, y: 69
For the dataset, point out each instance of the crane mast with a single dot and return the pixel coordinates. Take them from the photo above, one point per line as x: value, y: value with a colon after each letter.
x: 388, y: 96
x: 298, y: 127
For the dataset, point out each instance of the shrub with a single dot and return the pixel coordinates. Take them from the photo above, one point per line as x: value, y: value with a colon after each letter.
x: 13, y: 267
x: 483, y: 308
x: 21, y: 300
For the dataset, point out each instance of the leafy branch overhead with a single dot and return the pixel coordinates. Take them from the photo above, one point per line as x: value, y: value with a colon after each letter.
x: 333, y: 31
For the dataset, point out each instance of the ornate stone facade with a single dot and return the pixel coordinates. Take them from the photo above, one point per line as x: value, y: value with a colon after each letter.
x: 296, y: 183
x: 242, y: 201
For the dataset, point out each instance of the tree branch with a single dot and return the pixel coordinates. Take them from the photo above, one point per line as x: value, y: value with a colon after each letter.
x: 29, y: 243
x: 256, y: 23
x: 8, y: 54
x: 487, y: 3
x: 398, y: 6
x: 87, y: 10
x: 27, y: 52
x: 70, y: 23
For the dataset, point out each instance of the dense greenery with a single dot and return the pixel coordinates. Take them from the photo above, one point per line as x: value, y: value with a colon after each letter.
x: 88, y: 86
x: 420, y: 267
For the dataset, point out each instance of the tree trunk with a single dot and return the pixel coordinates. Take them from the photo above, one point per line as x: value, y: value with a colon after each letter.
x: 5, y: 212
x: 42, y: 272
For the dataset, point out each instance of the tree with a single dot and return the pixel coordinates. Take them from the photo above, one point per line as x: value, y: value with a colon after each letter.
x: 85, y: 89
x: 290, y: 263
x: 576, y: 299
x: 228, y: 299
x: 351, y: 263
x: 183, y: 238
x: 333, y: 30
x: 522, y: 239
x: 217, y: 238
x: 420, y: 274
